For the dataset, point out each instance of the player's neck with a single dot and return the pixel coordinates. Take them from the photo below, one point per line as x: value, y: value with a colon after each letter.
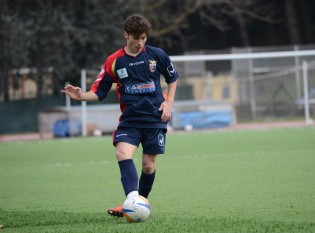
x: 127, y: 50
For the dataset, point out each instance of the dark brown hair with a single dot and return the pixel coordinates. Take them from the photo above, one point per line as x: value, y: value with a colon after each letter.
x: 137, y: 24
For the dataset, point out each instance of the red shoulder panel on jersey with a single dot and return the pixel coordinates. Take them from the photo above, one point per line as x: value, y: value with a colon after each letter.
x: 108, y: 69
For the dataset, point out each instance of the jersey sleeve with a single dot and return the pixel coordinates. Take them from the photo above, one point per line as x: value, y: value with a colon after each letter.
x: 104, y: 81
x: 167, y: 68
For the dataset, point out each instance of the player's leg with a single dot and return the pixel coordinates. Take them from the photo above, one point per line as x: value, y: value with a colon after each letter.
x: 153, y: 143
x: 148, y: 174
x: 126, y: 142
x: 128, y: 171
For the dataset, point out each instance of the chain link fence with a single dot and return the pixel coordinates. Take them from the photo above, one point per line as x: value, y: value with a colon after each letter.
x: 220, y: 90
x: 257, y: 88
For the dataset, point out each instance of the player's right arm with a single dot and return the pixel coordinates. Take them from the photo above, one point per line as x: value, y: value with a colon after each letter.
x: 101, y: 85
x: 77, y: 94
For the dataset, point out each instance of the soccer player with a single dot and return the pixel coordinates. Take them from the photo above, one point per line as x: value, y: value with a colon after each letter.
x: 136, y: 69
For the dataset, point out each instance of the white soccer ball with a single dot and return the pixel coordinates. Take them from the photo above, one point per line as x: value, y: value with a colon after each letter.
x: 97, y: 132
x: 188, y: 127
x: 136, y: 208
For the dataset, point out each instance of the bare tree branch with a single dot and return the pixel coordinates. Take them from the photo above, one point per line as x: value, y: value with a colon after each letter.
x: 179, y: 19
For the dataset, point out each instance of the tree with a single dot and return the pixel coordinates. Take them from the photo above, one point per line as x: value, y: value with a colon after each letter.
x: 66, y: 36
x: 13, y: 49
x: 292, y: 21
x: 171, y: 18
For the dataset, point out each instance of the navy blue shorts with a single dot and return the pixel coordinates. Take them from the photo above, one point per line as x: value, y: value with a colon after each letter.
x: 152, y: 140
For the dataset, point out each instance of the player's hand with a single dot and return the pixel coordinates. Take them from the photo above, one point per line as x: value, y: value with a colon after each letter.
x: 74, y: 92
x: 166, y: 108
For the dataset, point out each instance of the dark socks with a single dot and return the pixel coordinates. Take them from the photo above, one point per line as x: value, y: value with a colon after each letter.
x: 129, y: 175
x: 145, y: 184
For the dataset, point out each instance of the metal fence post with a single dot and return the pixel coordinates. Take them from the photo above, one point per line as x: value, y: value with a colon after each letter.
x: 308, y: 120
x: 83, y: 104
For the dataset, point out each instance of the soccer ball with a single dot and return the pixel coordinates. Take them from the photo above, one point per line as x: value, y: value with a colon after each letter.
x: 136, y: 208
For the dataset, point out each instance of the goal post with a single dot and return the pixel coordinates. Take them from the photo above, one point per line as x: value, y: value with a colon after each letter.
x: 308, y: 120
x: 271, y: 85
x: 254, y: 55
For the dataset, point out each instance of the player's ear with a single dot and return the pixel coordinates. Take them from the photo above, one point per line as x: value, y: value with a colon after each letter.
x: 126, y: 35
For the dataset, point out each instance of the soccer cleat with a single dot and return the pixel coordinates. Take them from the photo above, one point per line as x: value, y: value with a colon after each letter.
x: 116, y: 212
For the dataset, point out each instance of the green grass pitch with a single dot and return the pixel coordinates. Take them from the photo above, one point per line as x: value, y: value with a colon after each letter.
x: 217, y: 181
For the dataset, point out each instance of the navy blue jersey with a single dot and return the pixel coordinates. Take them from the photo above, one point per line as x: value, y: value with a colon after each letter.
x: 138, y: 85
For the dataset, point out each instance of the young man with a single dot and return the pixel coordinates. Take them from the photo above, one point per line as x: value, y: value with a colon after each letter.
x: 136, y: 70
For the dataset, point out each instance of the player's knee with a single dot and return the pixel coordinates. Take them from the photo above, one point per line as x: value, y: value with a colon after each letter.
x: 148, y: 170
x: 124, y: 151
x: 148, y: 167
x: 122, y: 155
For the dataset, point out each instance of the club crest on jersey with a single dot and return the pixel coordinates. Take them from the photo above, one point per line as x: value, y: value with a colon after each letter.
x: 152, y: 66
x: 122, y: 73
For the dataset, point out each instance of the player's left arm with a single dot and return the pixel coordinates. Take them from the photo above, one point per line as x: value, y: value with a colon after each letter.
x: 167, y: 106
x: 170, y: 74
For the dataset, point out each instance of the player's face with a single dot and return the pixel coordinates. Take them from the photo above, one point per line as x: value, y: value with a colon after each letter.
x: 135, y: 43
